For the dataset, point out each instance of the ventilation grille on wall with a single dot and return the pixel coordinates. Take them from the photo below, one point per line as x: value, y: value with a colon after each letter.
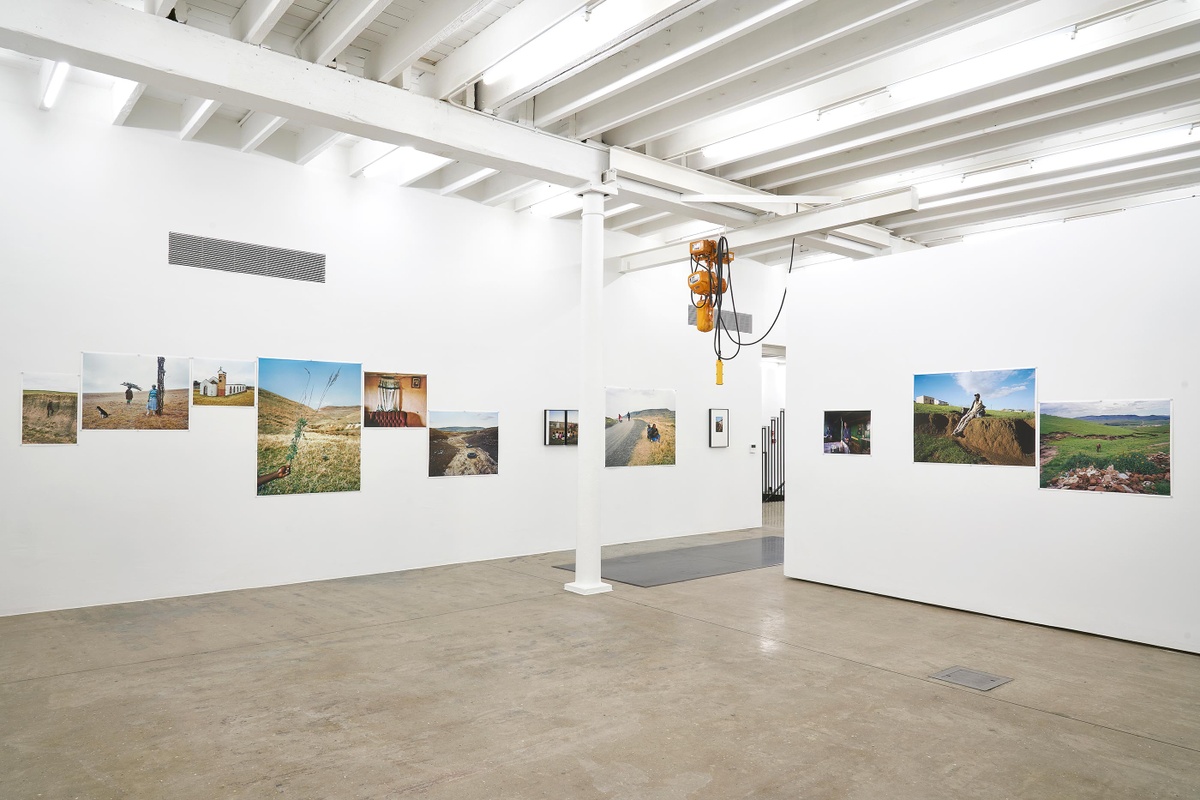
x: 253, y: 259
x: 745, y: 322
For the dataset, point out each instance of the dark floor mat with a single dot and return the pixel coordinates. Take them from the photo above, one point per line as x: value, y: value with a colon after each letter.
x: 689, y: 563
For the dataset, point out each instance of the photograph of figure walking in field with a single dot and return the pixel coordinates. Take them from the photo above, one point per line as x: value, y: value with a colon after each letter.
x: 464, y: 443
x: 49, y: 408
x: 639, y: 427
x: 224, y: 382
x: 122, y: 391
x: 309, y: 426
x: 1117, y: 446
x: 978, y: 417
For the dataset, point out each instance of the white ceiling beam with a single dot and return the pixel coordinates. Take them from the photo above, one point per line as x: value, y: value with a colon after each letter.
x: 435, y: 22
x: 345, y: 21
x: 578, y: 42
x: 530, y: 19
x: 257, y: 18
x: 809, y: 30
x: 538, y: 194
x: 839, y: 246
x: 108, y: 38
x: 195, y: 112
x: 257, y: 128
x: 460, y: 176
x: 498, y: 189
x: 632, y: 218
x: 312, y: 141
x: 1073, y: 84
x: 957, y: 140
x: 620, y: 72
x: 125, y: 95
x: 819, y: 220
x: 661, y: 199
x: 939, y: 36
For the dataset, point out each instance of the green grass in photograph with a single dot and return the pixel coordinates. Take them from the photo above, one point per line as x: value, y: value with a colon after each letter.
x: 941, y: 450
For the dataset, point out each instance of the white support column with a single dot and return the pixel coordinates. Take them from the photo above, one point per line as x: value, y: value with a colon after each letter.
x: 591, y: 397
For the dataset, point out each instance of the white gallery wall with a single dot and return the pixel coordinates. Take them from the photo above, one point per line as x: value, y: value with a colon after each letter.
x: 1104, y: 308
x: 482, y: 300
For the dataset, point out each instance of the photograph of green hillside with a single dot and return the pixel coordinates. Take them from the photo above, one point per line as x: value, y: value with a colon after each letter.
x: 464, y: 443
x: 978, y: 417
x: 49, y: 408
x: 1118, y: 446
x: 309, y: 426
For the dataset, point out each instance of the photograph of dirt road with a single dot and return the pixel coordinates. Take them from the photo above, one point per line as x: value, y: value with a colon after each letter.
x: 639, y: 427
x: 49, y: 408
x: 464, y: 443
x: 309, y: 426
x: 1117, y: 446
x: 980, y: 417
x: 123, y: 391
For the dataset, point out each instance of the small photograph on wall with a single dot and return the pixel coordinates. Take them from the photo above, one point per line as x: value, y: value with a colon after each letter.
x: 223, y: 382
x: 309, y: 426
x: 49, y: 408
x: 848, y: 432
x: 560, y: 426
x: 718, y: 427
x: 123, y: 391
x: 1115, y: 446
x: 394, y: 400
x: 979, y: 417
x: 639, y: 427
x: 464, y: 443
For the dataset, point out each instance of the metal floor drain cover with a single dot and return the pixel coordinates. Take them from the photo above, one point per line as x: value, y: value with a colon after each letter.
x: 970, y: 678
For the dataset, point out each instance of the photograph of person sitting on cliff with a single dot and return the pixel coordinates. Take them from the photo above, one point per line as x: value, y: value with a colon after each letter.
x: 979, y: 417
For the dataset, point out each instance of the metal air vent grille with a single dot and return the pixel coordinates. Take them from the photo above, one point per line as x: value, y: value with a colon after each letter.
x: 185, y: 250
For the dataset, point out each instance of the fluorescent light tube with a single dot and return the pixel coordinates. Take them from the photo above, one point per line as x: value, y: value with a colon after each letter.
x: 58, y: 76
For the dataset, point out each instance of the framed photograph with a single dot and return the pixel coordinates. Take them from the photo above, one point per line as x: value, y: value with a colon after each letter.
x: 394, y: 400
x: 718, y: 427
x: 464, y: 443
x: 49, y: 408
x: 848, y: 432
x: 560, y: 426
x: 124, y: 391
x: 639, y: 427
x: 223, y: 382
x: 1110, y: 446
x: 976, y: 417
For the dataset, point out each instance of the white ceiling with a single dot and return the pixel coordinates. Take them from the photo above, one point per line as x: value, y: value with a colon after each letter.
x: 997, y: 113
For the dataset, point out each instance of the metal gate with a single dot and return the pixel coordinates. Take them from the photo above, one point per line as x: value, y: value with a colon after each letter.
x: 772, y: 459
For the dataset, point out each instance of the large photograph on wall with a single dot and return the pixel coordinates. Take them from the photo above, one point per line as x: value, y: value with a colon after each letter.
x: 223, y: 382
x: 49, y: 408
x: 1117, y: 446
x: 464, y: 443
x: 395, y: 400
x: 848, y: 432
x: 309, y: 429
x: 122, y: 391
x: 979, y: 417
x: 560, y: 426
x: 639, y: 427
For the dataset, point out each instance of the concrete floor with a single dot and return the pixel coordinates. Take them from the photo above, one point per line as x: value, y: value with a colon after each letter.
x: 487, y: 680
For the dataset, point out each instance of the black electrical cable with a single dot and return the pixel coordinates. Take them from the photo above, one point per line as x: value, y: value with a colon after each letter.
x: 722, y: 250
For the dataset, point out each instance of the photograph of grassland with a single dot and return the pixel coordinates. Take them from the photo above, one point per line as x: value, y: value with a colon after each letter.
x: 1118, y: 446
x: 464, y: 443
x: 49, y: 408
x: 123, y: 391
x: 848, y: 432
x: 223, y: 382
x: 979, y: 417
x: 395, y: 400
x: 309, y: 426
x: 639, y: 427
